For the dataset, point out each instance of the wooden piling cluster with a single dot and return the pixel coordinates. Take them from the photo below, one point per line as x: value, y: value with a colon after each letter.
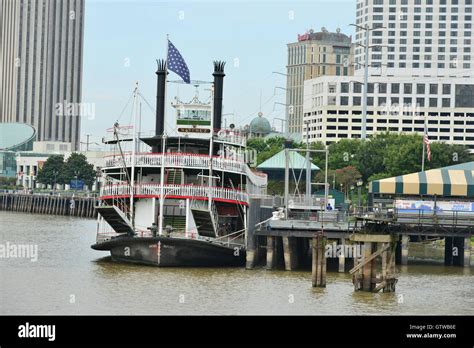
x: 365, y: 275
x: 49, y: 204
x: 318, y: 267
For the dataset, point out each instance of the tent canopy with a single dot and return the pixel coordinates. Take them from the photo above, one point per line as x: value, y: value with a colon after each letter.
x: 452, y: 181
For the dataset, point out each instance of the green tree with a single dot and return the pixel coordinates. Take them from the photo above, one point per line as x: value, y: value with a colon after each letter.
x: 347, y: 177
x: 77, y: 165
x: 52, y: 171
x: 344, y: 153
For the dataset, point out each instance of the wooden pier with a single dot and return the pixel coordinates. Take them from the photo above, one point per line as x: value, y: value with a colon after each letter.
x: 382, y: 242
x: 49, y: 204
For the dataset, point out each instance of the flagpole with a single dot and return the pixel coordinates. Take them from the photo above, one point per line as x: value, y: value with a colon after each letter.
x: 163, y: 145
x: 423, y: 158
x: 166, y: 81
x: 424, y: 145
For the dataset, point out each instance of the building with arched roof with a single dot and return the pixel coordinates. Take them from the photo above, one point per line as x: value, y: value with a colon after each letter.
x: 14, y: 137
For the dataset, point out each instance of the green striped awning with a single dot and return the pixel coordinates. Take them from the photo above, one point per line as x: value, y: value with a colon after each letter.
x: 440, y: 182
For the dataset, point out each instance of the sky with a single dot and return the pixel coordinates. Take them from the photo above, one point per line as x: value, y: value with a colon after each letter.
x: 123, y: 39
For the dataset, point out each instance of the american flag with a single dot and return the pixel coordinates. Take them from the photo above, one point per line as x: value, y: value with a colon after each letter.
x: 426, y: 141
x: 177, y: 64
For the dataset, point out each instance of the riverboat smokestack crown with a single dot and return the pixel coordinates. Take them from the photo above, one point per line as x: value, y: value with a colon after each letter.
x: 160, y: 97
x: 218, y: 92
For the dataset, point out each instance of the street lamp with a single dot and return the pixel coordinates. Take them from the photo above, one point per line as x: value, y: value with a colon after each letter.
x: 282, y: 88
x: 225, y: 118
x: 284, y: 122
x: 366, y: 74
x: 360, y: 182
x: 55, y: 173
x: 76, y: 173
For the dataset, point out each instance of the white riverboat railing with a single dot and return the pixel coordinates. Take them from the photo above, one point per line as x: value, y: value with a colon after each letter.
x: 193, y: 191
x: 230, y: 137
x: 184, y: 160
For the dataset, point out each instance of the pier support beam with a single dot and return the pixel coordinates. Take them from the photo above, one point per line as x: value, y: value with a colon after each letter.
x: 368, y: 268
x: 448, y: 251
x: 467, y: 252
x: 458, y: 251
x: 270, y: 252
x: 405, y: 241
x: 318, y: 264
x: 364, y: 275
x: 251, y: 239
x: 342, y: 258
x: 289, y: 252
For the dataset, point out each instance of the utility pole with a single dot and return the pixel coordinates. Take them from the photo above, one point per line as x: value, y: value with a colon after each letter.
x: 88, y: 142
x: 366, y: 82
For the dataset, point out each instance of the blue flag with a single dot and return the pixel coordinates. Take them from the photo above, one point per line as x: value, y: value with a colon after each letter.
x: 177, y: 64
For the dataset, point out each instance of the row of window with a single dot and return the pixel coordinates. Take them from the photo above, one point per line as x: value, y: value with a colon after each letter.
x: 395, y: 88
x: 407, y: 102
x: 395, y: 113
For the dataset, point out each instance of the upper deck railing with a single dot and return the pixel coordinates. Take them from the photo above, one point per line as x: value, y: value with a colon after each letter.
x: 187, y: 160
x: 230, y: 136
x: 173, y: 191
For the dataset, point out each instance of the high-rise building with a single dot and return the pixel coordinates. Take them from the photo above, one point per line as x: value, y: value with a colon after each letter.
x: 41, y: 66
x: 419, y: 73
x: 420, y: 37
x: 314, y: 54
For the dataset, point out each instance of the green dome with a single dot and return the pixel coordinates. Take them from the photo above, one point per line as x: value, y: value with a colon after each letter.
x: 260, y: 125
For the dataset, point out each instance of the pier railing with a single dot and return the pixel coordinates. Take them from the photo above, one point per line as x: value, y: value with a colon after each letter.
x: 170, y: 191
x: 321, y: 216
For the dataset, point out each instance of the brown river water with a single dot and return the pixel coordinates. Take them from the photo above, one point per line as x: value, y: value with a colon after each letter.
x: 69, y: 277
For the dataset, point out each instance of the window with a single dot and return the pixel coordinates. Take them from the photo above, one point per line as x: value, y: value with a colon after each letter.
x: 357, y: 87
x: 382, y: 88
x: 407, y: 88
x: 344, y: 100
x: 344, y: 87
x: 395, y: 88
x: 433, y: 102
x: 446, y: 89
x: 420, y: 88
x: 420, y: 102
x: 433, y: 88
x: 356, y: 101
x: 370, y: 88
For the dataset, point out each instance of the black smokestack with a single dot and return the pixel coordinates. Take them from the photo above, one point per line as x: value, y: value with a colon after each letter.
x: 160, y: 97
x: 218, y: 91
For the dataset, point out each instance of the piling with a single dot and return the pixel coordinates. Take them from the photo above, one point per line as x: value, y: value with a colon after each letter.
x: 270, y: 252
x: 318, y: 264
x: 448, y: 251
x: 342, y: 258
x: 289, y: 253
x: 404, y: 245
x: 364, y: 273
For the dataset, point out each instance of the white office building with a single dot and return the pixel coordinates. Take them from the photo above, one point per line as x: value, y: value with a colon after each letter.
x: 420, y: 37
x: 422, y: 71
x: 334, y: 108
